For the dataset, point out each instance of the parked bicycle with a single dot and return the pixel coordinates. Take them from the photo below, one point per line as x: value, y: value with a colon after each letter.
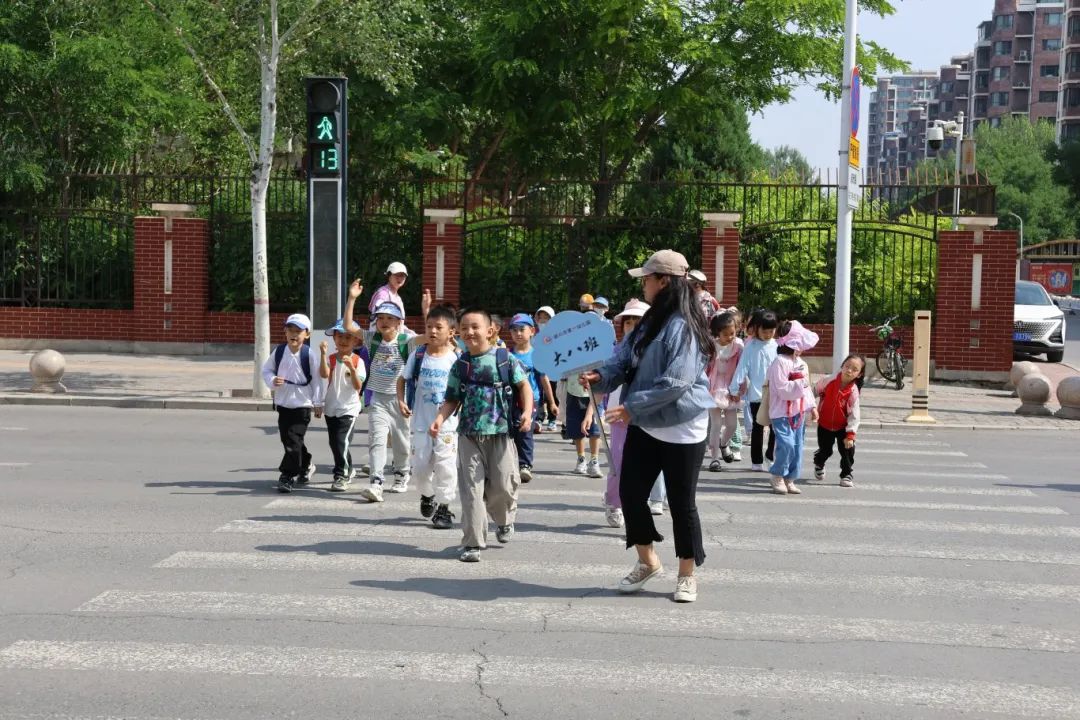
x: 890, y: 363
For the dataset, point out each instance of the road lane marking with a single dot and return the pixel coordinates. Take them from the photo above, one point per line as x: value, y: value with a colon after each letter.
x: 967, y: 696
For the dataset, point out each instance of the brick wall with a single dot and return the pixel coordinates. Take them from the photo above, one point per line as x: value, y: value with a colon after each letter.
x: 451, y: 243
x: 722, y: 243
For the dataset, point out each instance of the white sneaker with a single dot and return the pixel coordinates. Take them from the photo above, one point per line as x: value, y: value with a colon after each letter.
x: 581, y: 468
x: 593, y: 469
x: 614, y: 517
x: 757, y: 468
x: 792, y: 488
x: 401, y: 484
x: 686, y: 589
x: 373, y: 492
x: 657, y: 508
x: 736, y: 456
x: 819, y: 474
x: 637, y: 578
x: 778, y: 485
x: 846, y: 481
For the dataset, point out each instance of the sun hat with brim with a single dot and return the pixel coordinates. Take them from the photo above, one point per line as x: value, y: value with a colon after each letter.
x: 601, y: 301
x: 391, y: 309
x: 798, y: 337
x: 663, y: 262
x: 698, y: 276
x: 395, y: 267
x: 547, y: 309
x: 633, y: 308
x: 299, y: 320
x: 339, y: 327
x: 522, y: 319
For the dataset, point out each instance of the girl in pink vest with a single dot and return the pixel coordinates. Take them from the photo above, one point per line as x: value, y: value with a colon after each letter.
x: 724, y: 418
x: 791, y: 404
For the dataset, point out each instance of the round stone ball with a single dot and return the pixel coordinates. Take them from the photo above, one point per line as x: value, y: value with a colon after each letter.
x: 47, y: 366
x: 1034, y: 389
x: 1068, y: 392
x: 1019, y: 370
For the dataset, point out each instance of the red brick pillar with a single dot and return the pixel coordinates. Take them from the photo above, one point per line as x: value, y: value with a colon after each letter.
x: 720, y: 256
x: 171, y: 276
x: 443, y: 246
x: 973, y: 320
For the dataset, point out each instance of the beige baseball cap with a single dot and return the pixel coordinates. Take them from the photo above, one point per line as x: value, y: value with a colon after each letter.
x: 662, y: 262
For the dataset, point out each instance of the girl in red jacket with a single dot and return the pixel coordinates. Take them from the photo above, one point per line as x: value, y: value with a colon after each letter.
x: 838, y: 421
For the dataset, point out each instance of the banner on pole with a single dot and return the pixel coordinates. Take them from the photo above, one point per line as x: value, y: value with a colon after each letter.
x: 573, y: 342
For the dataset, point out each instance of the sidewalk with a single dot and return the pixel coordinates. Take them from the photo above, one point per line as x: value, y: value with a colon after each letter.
x: 208, y: 382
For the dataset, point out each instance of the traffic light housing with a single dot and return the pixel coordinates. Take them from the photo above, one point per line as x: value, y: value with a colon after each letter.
x: 326, y: 125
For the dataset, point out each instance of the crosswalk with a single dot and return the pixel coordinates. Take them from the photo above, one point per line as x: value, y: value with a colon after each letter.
x: 935, y: 588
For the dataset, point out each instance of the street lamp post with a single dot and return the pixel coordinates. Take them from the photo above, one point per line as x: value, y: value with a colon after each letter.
x: 1021, y: 221
x: 959, y: 135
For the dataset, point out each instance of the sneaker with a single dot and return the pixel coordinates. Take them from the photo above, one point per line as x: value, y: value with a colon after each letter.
x: 657, y: 508
x: 552, y: 426
x: 305, y: 477
x: 791, y: 488
x: 778, y: 486
x: 819, y: 474
x: 593, y: 468
x: 373, y: 493
x: 637, y: 578
x: 470, y: 554
x: 443, y: 518
x: 340, y: 484
x: 736, y: 456
x: 714, y: 466
x: 581, y: 468
x: 727, y: 455
x: 285, y: 483
x: 614, y: 517
x: 757, y: 468
x: 366, y: 469
x: 685, y: 589
x: 427, y: 505
x: 526, y: 473
x: 847, y: 481
x: 503, y: 533
x: 401, y: 484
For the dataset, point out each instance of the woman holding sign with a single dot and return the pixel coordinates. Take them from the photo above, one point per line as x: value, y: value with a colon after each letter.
x: 666, y: 404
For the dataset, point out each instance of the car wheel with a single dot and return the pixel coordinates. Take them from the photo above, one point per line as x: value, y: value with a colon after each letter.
x: 1055, y: 356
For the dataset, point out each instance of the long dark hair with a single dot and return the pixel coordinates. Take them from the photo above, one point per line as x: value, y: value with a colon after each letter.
x: 677, y: 298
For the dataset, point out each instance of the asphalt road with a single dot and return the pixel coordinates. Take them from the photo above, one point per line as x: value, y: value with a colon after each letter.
x: 149, y: 570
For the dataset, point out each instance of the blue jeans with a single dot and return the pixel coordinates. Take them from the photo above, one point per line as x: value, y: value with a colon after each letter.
x: 789, y: 446
x: 524, y: 441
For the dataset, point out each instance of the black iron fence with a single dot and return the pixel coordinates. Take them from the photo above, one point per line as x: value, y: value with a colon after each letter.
x: 525, y: 244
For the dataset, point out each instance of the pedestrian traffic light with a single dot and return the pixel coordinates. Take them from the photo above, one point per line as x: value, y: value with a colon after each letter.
x: 326, y: 125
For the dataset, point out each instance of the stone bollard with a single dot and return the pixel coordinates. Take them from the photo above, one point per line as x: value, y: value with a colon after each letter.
x: 1034, y: 392
x: 1068, y: 395
x: 47, y: 368
x: 1017, y: 373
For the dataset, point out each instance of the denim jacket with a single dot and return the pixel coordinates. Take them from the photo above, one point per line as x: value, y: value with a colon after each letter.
x: 669, y: 386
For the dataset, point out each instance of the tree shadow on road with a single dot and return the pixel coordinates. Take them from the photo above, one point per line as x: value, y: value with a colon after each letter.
x: 483, y: 589
x: 365, y: 547
x: 1063, y: 487
x: 239, y: 487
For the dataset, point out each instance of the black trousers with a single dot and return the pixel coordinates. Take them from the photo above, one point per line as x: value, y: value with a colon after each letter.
x: 825, y: 441
x: 644, y: 457
x: 339, y: 430
x: 292, y: 426
x: 757, y: 437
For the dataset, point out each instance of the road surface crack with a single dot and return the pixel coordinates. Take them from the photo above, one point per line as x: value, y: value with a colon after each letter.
x: 481, y: 667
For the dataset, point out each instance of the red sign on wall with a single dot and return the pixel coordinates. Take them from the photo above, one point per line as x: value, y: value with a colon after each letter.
x: 1055, y: 277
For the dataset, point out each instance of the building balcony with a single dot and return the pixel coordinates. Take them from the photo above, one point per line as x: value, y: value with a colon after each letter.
x: 1022, y: 57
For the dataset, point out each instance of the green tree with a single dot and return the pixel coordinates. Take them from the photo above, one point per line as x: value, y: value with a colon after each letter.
x: 785, y: 159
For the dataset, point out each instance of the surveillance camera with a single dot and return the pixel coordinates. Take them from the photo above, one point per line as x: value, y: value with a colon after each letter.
x: 935, y: 136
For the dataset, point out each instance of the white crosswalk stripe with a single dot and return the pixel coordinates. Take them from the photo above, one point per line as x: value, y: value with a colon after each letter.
x: 301, y: 662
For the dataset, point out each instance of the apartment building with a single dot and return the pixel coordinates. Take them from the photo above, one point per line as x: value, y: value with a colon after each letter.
x: 898, y: 106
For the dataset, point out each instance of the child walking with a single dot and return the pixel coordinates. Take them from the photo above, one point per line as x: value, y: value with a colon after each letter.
x: 287, y: 372
x: 344, y: 373
x: 838, y: 418
x: 482, y: 384
x: 522, y: 329
x: 629, y: 319
x: 421, y: 391
x: 724, y: 418
x: 581, y: 423
x: 757, y: 355
x: 791, y: 404
x: 389, y: 349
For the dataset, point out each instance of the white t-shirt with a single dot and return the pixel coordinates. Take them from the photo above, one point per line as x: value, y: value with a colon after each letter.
x: 689, y: 433
x: 430, y: 389
x: 341, y: 397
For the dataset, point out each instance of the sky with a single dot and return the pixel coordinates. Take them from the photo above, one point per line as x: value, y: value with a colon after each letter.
x: 925, y: 33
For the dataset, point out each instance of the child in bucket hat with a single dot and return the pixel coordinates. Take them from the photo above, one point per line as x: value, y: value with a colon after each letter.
x: 791, y: 404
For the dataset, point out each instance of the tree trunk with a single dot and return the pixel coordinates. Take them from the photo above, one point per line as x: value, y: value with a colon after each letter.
x: 260, y: 182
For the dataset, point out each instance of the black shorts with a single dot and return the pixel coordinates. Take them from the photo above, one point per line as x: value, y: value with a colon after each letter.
x: 575, y: 415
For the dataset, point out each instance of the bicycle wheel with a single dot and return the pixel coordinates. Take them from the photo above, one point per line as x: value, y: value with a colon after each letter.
x: 885, y: 364
x: 898, y: 370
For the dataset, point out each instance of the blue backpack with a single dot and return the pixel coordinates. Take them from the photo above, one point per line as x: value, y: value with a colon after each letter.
x: 418, y: 363
x: 305, y: 362
x: 502, y: 362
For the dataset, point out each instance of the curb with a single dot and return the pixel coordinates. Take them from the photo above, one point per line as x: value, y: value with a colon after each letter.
x: 140, y: 403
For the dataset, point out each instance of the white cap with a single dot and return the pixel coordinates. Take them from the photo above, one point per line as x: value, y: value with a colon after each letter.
x: 698, y: 275
x: 299, y: 320
x: 546, y: 309
x: 395, y: 267
x: 634, y: 308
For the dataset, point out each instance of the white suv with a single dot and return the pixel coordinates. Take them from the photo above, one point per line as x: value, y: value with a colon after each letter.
x: 1038, y: 324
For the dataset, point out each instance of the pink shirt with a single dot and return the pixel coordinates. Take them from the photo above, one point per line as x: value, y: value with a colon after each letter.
x: 722, y: 370
x: 789, y: 398
x: 383, y: 295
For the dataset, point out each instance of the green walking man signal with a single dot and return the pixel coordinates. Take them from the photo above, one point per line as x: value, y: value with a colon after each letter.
x: 326, y: 129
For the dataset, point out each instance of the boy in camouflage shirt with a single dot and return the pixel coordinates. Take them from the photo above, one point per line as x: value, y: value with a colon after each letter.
x: 482, y: 385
